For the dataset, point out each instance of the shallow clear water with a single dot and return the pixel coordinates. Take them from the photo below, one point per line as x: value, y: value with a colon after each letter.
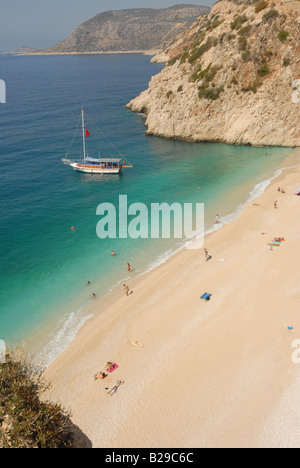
x: 44, y: 265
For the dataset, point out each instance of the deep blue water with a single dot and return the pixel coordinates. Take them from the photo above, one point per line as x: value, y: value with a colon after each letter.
x: 44, y: 265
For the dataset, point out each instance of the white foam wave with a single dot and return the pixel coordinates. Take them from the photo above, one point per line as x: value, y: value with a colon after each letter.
x: 62, y: 337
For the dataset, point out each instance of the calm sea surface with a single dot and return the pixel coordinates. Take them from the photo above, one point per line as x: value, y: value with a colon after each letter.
x: 44, y: 265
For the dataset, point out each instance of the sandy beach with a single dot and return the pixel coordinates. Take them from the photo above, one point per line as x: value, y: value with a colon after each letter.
x: 211, y: 374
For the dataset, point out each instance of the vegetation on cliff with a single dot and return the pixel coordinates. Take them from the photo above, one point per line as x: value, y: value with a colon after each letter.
x: 25, y: 420
x: 236, y: 68
x: 255, y: 37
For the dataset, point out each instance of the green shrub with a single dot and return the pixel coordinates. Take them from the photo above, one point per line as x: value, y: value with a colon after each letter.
x: 196, y: 54
x: 208, y: 74
x: 214, y: 24
x: 211, y: 94
x: 172, y: 61
x: 245, y: 31
x: 230, y: 37
x: 196, y: 73
x: 270, y: 14
x: 286, y: 62
x: 184, y: 57
x: 261, y: 6
x: 243, y: 42
x: 246, y: 55
x: 238, y: 22
x: 264, y: 70
x: 283, y: 35
x: 30, y: 423
x: 248, y: 89
x: 222, y: 37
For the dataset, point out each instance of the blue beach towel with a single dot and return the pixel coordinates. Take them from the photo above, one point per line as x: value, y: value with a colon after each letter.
x: 206, y: 297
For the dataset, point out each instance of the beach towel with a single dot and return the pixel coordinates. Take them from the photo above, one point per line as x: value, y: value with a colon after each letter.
x: 206, y: 297
x: 115, y: 366
x: 137, y: 344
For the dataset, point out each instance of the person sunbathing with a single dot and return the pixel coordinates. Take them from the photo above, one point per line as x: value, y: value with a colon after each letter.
x: 100, y: 375
x: 115, y: 387
x: 279, y: 239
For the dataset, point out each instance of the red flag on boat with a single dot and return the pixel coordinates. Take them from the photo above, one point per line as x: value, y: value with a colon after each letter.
x: 87, y: 133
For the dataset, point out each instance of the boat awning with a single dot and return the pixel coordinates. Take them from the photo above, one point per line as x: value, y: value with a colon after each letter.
x: 102, y: 160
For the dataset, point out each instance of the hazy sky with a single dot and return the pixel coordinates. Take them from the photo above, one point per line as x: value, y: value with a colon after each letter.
x: 43, y: 23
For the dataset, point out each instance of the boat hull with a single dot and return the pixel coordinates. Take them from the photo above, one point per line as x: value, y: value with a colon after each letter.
x: 95, y: 170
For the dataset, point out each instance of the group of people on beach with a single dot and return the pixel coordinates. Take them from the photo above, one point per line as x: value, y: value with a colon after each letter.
x: 101, y: 375
x: 126, y: 288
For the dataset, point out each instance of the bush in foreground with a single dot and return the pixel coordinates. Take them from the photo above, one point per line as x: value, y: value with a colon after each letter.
x: 26, y: 421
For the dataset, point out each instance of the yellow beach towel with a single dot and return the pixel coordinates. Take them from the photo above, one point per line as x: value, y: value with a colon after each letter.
x: 137, y: 344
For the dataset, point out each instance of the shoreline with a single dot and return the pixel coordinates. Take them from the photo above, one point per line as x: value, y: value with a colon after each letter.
x: 63, y: 333
x: 179, y: 331
x: 139, y: 52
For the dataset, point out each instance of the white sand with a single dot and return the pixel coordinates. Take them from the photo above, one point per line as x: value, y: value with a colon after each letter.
x: 215, y: 374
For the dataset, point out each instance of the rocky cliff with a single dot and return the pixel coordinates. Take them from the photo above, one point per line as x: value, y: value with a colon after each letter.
x: 233, y: 76
x: 140, y: 29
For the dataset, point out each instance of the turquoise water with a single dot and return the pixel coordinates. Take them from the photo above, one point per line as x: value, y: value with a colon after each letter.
x: 44, y: 265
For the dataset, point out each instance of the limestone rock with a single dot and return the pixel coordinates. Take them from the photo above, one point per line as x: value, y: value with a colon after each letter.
x: 230, y: 78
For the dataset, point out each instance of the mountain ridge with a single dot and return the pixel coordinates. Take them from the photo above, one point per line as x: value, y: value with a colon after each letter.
x: 133, y: 30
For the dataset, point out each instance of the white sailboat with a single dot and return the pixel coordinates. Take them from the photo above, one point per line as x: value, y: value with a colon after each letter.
x: 93, y: 165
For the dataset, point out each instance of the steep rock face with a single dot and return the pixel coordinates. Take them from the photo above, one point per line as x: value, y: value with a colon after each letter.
x: 140, y: 29
x: 231, y: 77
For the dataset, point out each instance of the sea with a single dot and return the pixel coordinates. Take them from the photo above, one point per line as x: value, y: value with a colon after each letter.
x: 45, y: 264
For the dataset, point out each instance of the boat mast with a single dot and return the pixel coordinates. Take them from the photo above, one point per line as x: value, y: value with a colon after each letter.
x: 83, y: 133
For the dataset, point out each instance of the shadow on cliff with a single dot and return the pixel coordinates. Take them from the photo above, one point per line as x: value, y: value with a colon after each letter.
x: 80, y: 440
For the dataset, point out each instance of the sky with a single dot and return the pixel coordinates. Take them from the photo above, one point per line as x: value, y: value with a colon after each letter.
x: 42, y: 23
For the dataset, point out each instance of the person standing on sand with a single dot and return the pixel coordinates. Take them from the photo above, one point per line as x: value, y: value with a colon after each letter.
x: 126, y: 289
x: 275, y: 205
x: 206, y: 254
